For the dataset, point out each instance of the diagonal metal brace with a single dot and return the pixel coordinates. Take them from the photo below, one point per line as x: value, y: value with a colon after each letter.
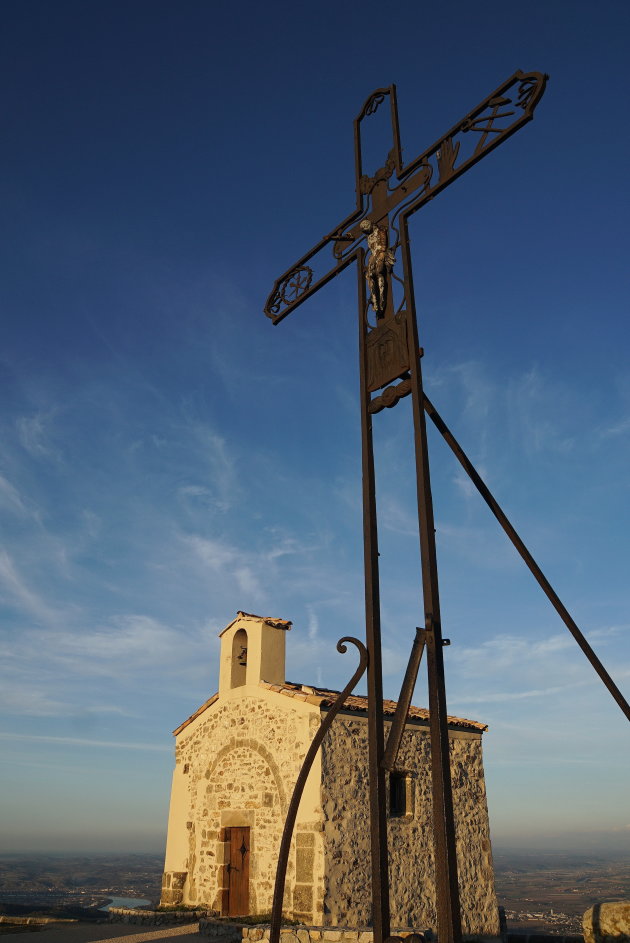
x: 404, y: 701
x: 526, y: 556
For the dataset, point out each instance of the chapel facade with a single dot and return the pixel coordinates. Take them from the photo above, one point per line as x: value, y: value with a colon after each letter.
x: 236, y: 762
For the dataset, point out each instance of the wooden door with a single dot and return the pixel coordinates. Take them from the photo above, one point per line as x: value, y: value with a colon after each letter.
x: 238, y: 872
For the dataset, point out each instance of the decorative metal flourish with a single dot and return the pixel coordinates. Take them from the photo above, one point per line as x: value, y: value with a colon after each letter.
x: 526, y: 92
x: 390, y: 396
x: 486, y: 123
x: 446, y: 156
x: 376, y: 98
x: 285, y: 844
x: 367, y: 184
x: 287, y: 292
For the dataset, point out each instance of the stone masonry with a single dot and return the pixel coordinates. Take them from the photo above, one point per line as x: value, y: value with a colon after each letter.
x: 411, y: 858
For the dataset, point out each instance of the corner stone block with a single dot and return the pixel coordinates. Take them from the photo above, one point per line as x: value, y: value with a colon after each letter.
x: 304, y: 864
x: 607, y: 923
x: 176, y: 879
x: 303, y: 899
x: 303, y: 839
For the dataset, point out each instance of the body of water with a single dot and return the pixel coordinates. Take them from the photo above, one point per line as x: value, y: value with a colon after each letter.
x: 129, y: 902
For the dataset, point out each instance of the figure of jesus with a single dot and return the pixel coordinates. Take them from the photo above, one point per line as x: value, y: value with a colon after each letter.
x: 380, y: 264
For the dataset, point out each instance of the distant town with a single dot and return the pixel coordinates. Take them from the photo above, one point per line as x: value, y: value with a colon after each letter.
x: 550, y: 892
x: 540, y: 893
x: 70, y: 883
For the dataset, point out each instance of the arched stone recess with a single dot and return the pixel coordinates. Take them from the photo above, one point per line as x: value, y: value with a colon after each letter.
x: 241, y: 786
x: 251, y: 744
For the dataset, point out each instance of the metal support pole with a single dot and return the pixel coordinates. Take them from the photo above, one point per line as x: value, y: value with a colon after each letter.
x: 378, y: 809
x: 447, y: 887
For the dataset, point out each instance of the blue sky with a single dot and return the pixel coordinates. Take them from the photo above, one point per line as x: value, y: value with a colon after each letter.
x: 168, y: 456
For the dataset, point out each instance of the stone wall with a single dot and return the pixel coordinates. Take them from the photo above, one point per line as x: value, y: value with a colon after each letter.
x: 238, y: 763
x: 262, y: 932
x: 153, y: 918
x: 412, y: 867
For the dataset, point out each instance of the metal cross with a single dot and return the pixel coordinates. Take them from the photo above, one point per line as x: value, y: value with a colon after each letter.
x: 390, y: 368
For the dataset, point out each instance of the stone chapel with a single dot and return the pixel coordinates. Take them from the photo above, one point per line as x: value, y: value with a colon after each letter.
x: 236, y: 762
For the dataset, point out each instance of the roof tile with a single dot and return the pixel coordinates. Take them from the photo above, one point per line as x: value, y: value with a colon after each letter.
x: 324, y: 697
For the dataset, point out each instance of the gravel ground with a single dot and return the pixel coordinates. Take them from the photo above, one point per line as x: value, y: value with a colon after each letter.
x: 109, y: 932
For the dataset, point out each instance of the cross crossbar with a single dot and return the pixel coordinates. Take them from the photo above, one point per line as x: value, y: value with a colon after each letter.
x: 491, y: 122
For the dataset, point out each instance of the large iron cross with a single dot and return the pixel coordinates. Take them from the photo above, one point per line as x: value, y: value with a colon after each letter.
x: 390, y: 369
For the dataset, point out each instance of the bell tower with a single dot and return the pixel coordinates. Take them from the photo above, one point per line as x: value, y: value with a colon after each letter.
x: 252, y: 650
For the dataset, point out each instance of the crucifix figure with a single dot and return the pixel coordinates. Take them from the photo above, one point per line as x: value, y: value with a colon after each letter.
x: 380, y: 264
x: 390, y: 370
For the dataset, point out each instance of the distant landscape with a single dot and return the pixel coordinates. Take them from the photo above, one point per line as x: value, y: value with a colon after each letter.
x: 540, y: 892
x: 550, y: 892
x: 76, y: 884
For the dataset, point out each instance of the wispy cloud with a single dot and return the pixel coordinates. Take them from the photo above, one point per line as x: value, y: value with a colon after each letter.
x: 20, y: 592
x: 10, y: 497
x: 92, y: 522
x: 313, y: 624
x: 26, y: 698
x: 500, y: 697
x: 228, y: 560
x: 34, y: 436
x: 483, y: 547
x: 215, y: 452
x: 536, y: 405
x: 85, y: 742
x: 504, y: 652
x: 474, y: 385
x: 618, y: 429
x: 398, y: 517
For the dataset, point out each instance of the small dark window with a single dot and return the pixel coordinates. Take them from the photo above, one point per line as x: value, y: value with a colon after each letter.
x: 397, y: 794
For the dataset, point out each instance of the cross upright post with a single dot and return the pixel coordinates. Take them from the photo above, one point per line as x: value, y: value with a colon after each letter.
x: 390, y: 369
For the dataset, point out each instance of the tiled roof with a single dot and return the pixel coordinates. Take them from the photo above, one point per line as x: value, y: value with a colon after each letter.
x: 276, y: 623
x: 268, y: 620
x: 325, y: 698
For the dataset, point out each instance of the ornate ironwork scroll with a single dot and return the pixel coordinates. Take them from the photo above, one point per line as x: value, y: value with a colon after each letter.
x: 290, y: 288
x: 287, y: 834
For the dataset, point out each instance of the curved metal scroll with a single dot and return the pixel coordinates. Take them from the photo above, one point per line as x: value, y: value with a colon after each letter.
x: 287, y: 834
